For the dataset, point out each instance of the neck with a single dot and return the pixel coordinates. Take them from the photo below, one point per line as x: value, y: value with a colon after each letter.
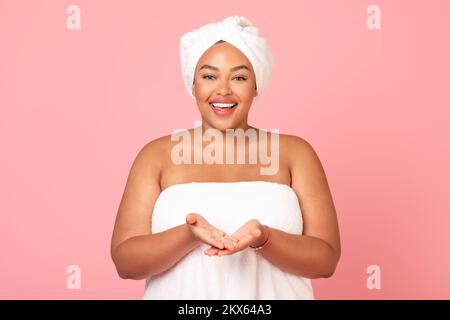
x: 244, y: 126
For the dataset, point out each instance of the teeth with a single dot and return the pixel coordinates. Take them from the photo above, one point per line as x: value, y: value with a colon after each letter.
x: 223, y: 105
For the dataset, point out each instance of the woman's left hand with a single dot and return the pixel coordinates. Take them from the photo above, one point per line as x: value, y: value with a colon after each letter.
x: 250, y: 234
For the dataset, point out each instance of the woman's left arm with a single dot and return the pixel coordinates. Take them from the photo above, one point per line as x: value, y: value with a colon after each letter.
x: 316, y: 252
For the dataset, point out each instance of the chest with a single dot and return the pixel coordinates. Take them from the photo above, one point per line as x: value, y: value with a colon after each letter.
x: 175, y: 174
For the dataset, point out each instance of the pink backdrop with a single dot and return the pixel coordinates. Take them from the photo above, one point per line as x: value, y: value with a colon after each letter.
x: 77, y: 105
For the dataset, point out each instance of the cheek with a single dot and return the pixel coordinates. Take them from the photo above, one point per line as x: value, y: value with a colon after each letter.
x: 203, y: 91
x: 245, y: 91
x: 246, y: 95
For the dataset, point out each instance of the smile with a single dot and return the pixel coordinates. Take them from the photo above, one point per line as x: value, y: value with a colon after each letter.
x: 223, y: 109
x: 223, y: 105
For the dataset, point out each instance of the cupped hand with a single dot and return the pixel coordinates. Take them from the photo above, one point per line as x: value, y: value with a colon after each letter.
x: 207, y: 233
x: 250, y: 234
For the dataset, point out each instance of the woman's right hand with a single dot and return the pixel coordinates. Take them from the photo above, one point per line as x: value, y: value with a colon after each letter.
x: 207, y: 233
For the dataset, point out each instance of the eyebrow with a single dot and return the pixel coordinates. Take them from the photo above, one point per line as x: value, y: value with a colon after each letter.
x: 207, y: 66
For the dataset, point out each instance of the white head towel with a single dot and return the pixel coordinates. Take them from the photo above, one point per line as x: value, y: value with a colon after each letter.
x: 239, y: 32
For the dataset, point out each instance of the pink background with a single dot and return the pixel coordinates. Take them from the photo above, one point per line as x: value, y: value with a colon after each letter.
x: 77, y: 105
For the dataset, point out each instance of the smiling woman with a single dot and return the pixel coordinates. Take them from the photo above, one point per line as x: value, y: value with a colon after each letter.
x: 225, y: 76
x: 224, y: 106
x: 215, y: 230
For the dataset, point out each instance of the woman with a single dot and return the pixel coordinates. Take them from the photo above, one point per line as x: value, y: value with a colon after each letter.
x: 225, y: 230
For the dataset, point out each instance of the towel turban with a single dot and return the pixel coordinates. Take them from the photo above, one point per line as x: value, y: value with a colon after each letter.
x: 239, y: 32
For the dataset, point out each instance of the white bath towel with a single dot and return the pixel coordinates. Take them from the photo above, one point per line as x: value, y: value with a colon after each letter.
x: 243, y: 275
x: 236, y: 30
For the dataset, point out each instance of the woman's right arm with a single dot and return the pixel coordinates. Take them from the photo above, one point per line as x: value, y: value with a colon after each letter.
x: 135, y: 251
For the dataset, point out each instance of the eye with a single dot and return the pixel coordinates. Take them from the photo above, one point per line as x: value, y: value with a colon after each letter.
x: 211, y: 76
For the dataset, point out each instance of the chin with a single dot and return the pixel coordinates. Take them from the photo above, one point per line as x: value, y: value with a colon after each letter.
x: 223, y: 126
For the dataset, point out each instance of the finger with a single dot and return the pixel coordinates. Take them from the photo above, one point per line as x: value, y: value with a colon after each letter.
x: 218, y: 244
x: 213, y: 240
x: 223, y: 252
x: 217, y: 241
x: 191, y: 219
x: 214, y: 252
x: 229, y: 244
x: 211, y: 251
x: 226, y: 242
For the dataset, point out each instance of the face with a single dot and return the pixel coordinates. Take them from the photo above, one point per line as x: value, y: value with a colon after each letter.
x: 224, y: 75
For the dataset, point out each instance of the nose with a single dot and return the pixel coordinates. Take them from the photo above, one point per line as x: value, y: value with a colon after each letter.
x: 224, y: 88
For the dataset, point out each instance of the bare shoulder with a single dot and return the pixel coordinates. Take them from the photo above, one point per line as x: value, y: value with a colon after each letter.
x: 296, y: 149
x: 304, y: 163
x: 154, y: 153
x: 156, y: 146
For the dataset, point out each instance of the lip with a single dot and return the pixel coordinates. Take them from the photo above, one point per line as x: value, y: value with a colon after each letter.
x: 223, y: 101
x: 223, y: 112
